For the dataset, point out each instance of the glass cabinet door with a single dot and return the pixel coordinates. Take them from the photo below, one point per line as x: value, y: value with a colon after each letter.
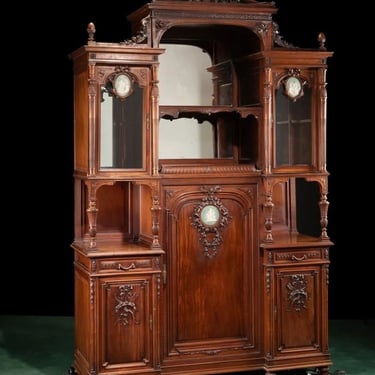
x: 121, y: 129
x: 293, y: 131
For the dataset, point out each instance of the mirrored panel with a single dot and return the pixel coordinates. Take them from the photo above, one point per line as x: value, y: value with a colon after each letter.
x: 184, y: 80
x: 186, y: 139
x: 121, y: 129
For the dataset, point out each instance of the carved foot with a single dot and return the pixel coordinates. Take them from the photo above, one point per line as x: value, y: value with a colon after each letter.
x: 71, y: 371
x: 324, y: 371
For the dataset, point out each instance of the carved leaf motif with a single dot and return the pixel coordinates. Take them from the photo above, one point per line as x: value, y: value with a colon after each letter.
x: 126, y: 307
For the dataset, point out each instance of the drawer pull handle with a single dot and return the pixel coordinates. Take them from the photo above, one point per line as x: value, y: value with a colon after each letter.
x: 122, y: 268
x: 299, y: 259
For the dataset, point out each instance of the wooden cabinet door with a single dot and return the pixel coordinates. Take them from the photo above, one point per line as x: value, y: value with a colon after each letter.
x: 298, y: 309
x: 125, y: 324
x: 300, y: 333
x: 296, y: 306
x: 213, y: 280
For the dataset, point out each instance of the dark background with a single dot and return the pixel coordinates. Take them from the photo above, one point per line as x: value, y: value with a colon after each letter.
x: 37, y: 261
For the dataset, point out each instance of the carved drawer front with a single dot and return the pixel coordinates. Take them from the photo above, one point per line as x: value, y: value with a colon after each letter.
x: 123, y: 266
x: 300, y: 255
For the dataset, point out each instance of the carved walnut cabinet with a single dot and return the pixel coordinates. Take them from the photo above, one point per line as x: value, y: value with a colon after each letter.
x: 189, y: 252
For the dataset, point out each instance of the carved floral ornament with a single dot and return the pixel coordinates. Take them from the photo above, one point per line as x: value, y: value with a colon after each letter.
x: 210, y: 217
x: 126, y: 307
x: 297, y: 292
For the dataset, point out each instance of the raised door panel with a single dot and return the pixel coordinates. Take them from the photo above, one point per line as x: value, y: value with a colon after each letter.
x: 213, y: 280
x: 125, y: 324
x: 299, y: 310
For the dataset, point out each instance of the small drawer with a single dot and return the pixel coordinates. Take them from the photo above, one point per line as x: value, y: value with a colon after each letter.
x: 294, y: 256
x: 121, y: 265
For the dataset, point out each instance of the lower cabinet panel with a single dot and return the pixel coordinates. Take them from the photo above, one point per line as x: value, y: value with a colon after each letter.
x: 212, y: 314
x: 298, y: 310
x: 117, y: 315
x: 125, y: 316
x: 213, y: 301
x: 296, y: 297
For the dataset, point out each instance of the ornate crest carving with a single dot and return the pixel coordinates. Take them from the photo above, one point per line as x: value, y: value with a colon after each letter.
x: 210, y: 217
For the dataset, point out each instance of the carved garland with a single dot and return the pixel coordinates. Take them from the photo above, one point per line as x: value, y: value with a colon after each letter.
x: 210, y: 217
x: 126, y: 307
x: 297, y: 294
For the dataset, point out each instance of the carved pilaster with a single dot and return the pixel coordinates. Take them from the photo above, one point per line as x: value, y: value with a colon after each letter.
x: 268, y: 209
x: 92, y: 210
x: 323, y: 204
x: 267, y: 122
x: 92, y: 213
x: 155, y: 211
x: 322, y: 119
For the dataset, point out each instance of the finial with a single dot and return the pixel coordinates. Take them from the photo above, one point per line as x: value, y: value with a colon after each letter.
x: 91, y: 31
x: 322, y: 40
